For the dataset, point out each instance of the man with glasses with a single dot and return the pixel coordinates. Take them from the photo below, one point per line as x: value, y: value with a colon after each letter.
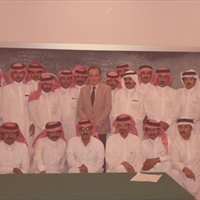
x: 85, y: 154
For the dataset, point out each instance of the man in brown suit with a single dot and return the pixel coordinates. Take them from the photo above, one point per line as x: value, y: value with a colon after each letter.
x: 95, y: 103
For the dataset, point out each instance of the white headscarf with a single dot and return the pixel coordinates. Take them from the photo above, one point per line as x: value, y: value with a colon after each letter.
x: 133, y: 75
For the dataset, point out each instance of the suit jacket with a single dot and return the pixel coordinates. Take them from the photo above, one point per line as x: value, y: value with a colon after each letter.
x: 100, y: 111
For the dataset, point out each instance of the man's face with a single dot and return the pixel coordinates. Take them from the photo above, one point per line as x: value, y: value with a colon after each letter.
x: 18, y: 76
x: 54, y: 135
x: 129, y: 83
x: 9, y: 137
x: 85, y: 132
x: 80, y: 80
x: 94, y: 76
x: 112, y: 83
x: 35, y: 75
x: 145, y: 76
x: 163, y: 80
x: 121, y: 72
x: 185, y: 130
x: 65, y: 81
x: 189, y: 82
x: 152, y: 133
x: 123, y: 129
x: 46, y: 87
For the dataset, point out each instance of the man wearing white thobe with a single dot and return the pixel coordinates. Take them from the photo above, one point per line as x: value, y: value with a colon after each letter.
x: 35, y: 70
x: 68, y: 97
x: 50, y: 150
x: 124, y: 148
x: 114, y: 81
x: 15, y: 101
x: 189, y: 97
x: 129, y: 101
x: 44, y: 105
x: 156, y: 148
x: 14, y: 157
x: 85, y: 153
x: 145, y: 78
x: 185, y: 156
x: 160, y: 102
x: 80, y: 74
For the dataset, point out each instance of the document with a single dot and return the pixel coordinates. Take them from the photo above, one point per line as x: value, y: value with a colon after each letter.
x: 146, y: 177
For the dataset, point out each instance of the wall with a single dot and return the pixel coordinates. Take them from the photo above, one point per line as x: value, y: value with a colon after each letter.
x: 162, y: 23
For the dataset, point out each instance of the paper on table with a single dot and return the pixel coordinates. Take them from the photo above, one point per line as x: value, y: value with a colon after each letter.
x: 146, y: 177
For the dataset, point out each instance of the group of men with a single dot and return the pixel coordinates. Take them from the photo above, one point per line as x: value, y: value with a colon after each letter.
x: 61, y: 123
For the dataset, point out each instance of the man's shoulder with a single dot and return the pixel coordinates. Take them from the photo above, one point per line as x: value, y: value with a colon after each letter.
x: 74, y: 139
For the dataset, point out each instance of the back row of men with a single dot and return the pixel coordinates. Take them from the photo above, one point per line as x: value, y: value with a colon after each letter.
x: 68, y: 97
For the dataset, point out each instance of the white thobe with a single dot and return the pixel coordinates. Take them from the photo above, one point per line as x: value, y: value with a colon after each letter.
x: 14, y: 156
x: 110, y: 116
x: 119, y: 149
x: 33, y: 84
x: 44, y: 110
x: 155, y: 149
x: 49, y: 156
x: 78, y: 87
x: 130, y: 102
x: 15, y: 107
x: 143, y: 88
x: 186, y: 153
x: 68, y: 102
x: 92, y: 155
x: 160, y: 104
x: 189, y: 105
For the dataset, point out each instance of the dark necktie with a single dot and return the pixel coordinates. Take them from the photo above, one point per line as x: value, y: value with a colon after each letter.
x: 93, y: 95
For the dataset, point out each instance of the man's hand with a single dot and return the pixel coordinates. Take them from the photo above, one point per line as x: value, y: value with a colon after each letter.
x: 164, y: 125
x: 32, y: 129
x: 43, y: 172
x: 17, y: 171
x: 189, y: 173
x: 149, y: 163
x: 128, y: 167
x: 83, y: 169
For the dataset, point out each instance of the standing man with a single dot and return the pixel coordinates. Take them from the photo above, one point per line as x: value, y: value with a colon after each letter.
x: 44, y: 105
x: 189, y: 97
x: 145, y: 78
x: 50, y: 150
x: 114, y: 81
x: 95, y: 103
x: 160, y: 102
x: 124, y: 148
x: 121, y: 69
x: 80, y: 74
x: 68, y: 97
x: 185, y: 155
x: 85, y: 153
x: 156, y: 148
x: 35, y: 70
x: 15, y: 100
x: 129, y: 101
x: 14, y: 157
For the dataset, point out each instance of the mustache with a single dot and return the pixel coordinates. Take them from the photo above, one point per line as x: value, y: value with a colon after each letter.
x: 127, y: 83
x: 56, y: 137
x: 85, y: 134
x: 9, y: 138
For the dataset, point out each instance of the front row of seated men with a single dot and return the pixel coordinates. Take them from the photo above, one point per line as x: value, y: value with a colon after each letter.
x: 124, y: 150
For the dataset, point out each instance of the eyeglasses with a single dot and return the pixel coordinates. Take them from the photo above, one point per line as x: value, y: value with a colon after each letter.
x: 85, y: 128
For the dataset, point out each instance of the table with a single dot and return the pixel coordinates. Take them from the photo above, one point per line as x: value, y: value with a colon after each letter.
x: 88, y: 186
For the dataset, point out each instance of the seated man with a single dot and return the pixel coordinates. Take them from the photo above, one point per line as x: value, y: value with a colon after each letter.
x: 185, y: 155
x: 124, y: 148
x: 50, y: 150
x: 156, y: 148
x: 85, y: 153
x: 14, y: 157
